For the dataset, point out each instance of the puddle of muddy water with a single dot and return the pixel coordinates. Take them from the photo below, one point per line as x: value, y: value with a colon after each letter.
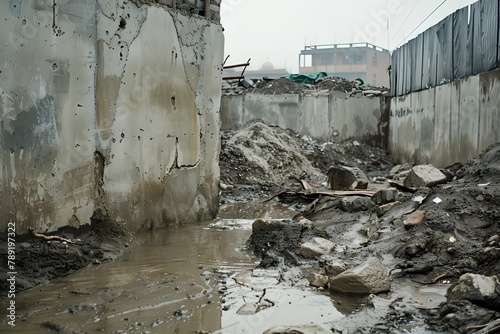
x: 171, y: 283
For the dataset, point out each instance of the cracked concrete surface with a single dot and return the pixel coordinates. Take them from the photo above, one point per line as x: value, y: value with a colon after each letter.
x: 133, y: 126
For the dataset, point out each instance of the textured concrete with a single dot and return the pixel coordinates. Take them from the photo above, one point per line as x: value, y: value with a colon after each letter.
x: 332, y: 117
x: 109, y: 105
x: 446, y: 124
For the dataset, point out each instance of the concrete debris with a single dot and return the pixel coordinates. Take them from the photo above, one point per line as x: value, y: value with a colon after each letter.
x: 415, y: 219
x: 316, y: 247
x: 424, y: 176
x: 345, y: 178
x: 303, y: 329
x: 385, y: 196
x: 475, y: 288
x: 285, y: 86
x: 334, y: 269
x: 356, y: 204
x: 317, y: 280
x: 383, y: 209
x: 370, y: 277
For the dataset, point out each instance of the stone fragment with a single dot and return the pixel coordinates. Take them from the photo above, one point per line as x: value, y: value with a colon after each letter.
x: 247, y: 309
x: 277, y: 235
x: 317, y: 280
x: 316, y: 247
x: 370, y: 277
x: 473, y: 287
x: 414, y: 219
x: 301, y: 329
x: 356, y: 203
x: 344, y: 178
x: 334, y: 269
x: 424, y: 176
x: 383, y: 209
x: 385, y: 196
x: 395, y: 170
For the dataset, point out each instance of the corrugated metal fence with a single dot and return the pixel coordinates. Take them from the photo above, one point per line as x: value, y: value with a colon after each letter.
x: 465, y: 43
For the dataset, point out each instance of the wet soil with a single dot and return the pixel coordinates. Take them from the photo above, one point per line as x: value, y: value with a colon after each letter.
x: 39, y: 261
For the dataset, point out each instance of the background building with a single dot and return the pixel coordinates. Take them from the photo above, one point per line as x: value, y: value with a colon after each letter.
x: 350, y: 61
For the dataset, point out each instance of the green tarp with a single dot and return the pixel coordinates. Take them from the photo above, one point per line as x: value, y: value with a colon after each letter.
x: 310, y: 79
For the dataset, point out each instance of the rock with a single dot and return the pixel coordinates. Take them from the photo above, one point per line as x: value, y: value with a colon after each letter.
x: 415, y: 219
x: 247, y: 309
x: 370, y: 277
x: 344, y: 178
x: 334, y: 269
x: 395, y: 170
x: 316, y: 247
x: 356, y: 204
x: 383, y: 209
x: 317, y: 280
x: 385, y: 196
x: 424, y: 176
x: 278, y: 235
x: 302, y: 329
x: 478, y: 289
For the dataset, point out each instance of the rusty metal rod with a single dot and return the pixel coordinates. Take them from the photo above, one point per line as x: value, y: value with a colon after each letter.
x: 234, y: 66
x: 233, y: 78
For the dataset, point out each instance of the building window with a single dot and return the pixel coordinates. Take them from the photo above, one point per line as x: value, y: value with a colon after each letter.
x: 347, y: 60
x: 375, y: 60
x: 374, y: 79
x: 357, y: 59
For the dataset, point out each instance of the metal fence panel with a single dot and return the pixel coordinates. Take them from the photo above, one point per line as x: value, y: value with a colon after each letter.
x: 426, y: 67
x: 462, y: 52
x: 418, y: 57
x: 394, y: 72
x: 475, y: 24
x: 444, y: 51
x: 489, y: 32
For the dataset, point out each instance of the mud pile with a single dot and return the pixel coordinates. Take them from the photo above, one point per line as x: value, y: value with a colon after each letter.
x: 39, y: 261
x: 263, y: 157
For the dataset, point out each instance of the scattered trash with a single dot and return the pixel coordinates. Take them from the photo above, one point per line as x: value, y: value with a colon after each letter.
x: 437, y: 200
x: 484, y: 184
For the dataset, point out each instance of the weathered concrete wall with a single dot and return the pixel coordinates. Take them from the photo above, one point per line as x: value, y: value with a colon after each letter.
x: 332, y: 116
x: 447, y: 124
x: 107, y: 105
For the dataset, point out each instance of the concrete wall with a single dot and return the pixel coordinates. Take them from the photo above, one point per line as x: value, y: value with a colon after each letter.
x: 330, y: 117
x: 107, y: 105
x: 447, y: 124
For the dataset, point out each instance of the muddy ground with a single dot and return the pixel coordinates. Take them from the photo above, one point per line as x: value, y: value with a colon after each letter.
x: 38, y: 261
x: 458, y: 236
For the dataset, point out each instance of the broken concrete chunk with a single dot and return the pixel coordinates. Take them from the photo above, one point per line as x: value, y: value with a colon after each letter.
x: 415, y: 219
x: 370, y: 277
x: 473, y: 287
x: 424, y: 176
x: 356, y: 203
x: 317, y: 280
x: 276, y: 234
x: 316, y: 247
x: 334, y: 269
x: 385, y: 196
x: 302, y: 329
x: 345, y: 178
x: 383, y: 209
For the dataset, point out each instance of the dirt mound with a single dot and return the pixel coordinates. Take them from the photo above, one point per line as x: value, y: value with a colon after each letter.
x: 259, y: 155
x: 278, y: 86
x: 485, y: 168
x: 39, y: 261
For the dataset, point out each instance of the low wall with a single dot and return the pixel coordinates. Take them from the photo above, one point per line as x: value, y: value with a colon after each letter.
x: 329, y: 117
x: 110, y: 106
x: 446, y: 124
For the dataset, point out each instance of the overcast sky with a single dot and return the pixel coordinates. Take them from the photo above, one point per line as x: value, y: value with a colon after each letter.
x: 276, y: 30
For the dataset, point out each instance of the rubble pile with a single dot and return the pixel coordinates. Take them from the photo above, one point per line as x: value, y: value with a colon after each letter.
x: 415, y: 228
x: 287, y: 86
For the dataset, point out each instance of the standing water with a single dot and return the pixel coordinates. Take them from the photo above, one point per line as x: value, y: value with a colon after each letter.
x: 193, y: 278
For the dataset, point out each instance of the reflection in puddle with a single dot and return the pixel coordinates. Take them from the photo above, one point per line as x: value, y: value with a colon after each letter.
x: 186, y: 279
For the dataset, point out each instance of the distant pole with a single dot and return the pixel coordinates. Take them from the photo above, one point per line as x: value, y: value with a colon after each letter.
x: 207, y: 8
x: 388, y: 41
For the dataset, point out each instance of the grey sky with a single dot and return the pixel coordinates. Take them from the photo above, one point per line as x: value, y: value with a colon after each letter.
x: 278, y: 29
